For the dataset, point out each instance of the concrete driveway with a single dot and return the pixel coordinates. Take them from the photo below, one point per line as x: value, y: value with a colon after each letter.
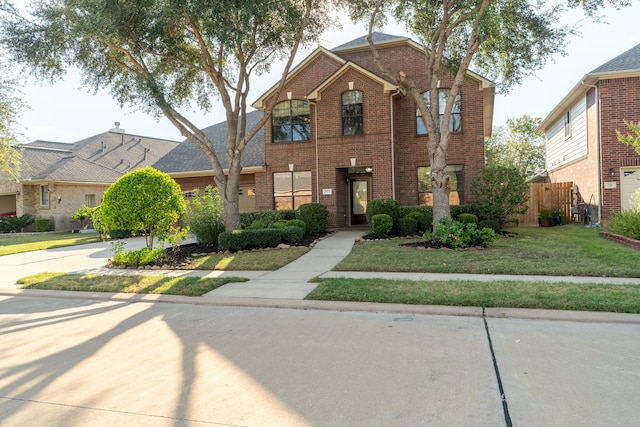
x: 80, y: 362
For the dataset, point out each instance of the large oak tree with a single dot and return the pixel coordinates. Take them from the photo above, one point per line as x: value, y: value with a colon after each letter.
x: 505, y: 40
x: 167, y: 57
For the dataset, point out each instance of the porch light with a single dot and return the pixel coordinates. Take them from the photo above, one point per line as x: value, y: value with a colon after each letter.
x: 611, y: 171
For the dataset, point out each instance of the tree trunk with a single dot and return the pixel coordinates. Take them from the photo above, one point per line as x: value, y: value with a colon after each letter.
x: 439, y: 187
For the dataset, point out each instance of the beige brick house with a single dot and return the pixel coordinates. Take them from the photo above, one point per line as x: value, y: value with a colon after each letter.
x: 341, y: 134
x: 581, y: 139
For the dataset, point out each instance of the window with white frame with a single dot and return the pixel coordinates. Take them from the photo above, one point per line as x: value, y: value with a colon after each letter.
x: 567, y: 124
x: 90, y: 200
x: 455, y: 122
x: 44, y: 195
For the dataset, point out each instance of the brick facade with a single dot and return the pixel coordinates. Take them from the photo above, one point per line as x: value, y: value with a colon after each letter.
x: 619, y: 102
x: 388, y: 151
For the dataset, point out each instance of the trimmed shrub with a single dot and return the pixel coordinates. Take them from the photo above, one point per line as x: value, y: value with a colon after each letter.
x: 267, y: 217
x: 626, y: 224
x: 423, y: 221
x: 383, y: 206
x: 292, y: 234
x: 315, y: 216
x: 146, y: 201
x: 42, y: 224
x: 488, y: 223
x: 204, y: 215
x: 381, y: 224
x: 237, y: 240
x: 408, y: 226
x: 120, y: 234
x: 298, y: 223
x: 457, y: 210
x: 499, y: 192
x: 467, y: 218
x: 138, y: 257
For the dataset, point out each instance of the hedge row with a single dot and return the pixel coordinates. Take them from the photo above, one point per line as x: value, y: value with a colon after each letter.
x: 238, y: 240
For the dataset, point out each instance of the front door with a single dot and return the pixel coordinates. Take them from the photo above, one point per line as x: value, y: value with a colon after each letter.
x: 359, y: 199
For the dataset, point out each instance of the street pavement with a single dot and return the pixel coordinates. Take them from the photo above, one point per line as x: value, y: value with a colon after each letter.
x: 83, y: 359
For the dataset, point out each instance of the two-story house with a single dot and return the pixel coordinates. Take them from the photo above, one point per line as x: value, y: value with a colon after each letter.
x: 341, y: 134
x: 581, y: 139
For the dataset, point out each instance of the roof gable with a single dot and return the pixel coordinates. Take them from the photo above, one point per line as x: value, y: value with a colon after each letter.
x: 315, y: 95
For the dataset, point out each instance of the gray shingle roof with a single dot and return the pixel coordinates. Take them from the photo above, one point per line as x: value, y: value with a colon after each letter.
x: 627, y: 61
x: 102, y: 158
x: 362, y: 41
x: 186, y: 157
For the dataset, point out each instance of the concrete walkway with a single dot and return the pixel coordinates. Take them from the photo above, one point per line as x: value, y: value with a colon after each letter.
x: 292, y: 280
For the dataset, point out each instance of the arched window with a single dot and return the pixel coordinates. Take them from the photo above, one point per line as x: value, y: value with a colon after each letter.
x: 290, y: 121
x: 455, y: 123
x: 352, y: 113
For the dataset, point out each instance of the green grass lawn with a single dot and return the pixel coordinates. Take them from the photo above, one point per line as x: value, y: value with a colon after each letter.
x: 14, y: 244
x: 271, y: 259
x: 570, y: 250
x: 188, y: 286
x: 538, y: 295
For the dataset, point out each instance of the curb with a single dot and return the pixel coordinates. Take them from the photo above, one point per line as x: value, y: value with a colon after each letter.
x: 340, y: 306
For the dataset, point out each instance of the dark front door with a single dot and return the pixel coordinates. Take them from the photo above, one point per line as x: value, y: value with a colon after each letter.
x: 359, y: 199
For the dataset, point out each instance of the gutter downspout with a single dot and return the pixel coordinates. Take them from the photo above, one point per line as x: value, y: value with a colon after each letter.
x: 315, y: 126
x: 393, y: 160
x: 598, y: 148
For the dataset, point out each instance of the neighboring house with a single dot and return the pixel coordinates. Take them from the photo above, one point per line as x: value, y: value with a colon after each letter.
x: 341, y: 134
x: 56, y: 179
x: 191, y: 169
x: 581, y: 140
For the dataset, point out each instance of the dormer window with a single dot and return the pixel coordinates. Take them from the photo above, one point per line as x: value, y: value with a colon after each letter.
x: 455, y: 122
x: 352, y: 123
x: 290, y: 121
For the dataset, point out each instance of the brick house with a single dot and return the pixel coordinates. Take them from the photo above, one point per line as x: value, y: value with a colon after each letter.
x: 341, y: 134
x: 581, y: 139
x: 56, y: 178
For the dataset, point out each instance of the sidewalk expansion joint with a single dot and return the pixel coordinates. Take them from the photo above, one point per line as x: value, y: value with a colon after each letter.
x: 503, y: 397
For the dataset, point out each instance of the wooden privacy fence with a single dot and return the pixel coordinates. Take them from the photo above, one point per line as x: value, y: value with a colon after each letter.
x: 547, y: 196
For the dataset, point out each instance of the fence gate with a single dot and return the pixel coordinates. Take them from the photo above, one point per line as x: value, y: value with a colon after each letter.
x: 546, y: 196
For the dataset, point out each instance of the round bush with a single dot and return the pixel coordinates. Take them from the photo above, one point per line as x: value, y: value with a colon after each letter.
x: 467, y: 218
x: 383, y: 206
x: 381, y: 224
x: 408, y: 226
x: 315, y: 216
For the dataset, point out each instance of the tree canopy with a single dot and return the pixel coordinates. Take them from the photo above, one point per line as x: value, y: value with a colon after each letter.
x: 518, y: 145
x: 167, y: 57
x: 632, y: 138
x: 10, y: 107
x: 504, y: 40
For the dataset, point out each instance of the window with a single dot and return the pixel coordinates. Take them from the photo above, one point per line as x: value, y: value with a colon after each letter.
x: 352, y: 113
x: 44, y: 195
x: 290, y: 121
x: 455, y: 123
x: 90, y: 200
x: 455, y: 185
x: 291, y: 189
x: 567, y: 124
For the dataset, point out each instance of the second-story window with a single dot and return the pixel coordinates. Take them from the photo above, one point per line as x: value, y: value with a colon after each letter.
x: 352, y: 113
x: 290, y: 120
x: 455, y: 123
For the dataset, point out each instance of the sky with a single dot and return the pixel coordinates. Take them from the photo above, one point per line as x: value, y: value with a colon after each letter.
x: 67, y: 112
